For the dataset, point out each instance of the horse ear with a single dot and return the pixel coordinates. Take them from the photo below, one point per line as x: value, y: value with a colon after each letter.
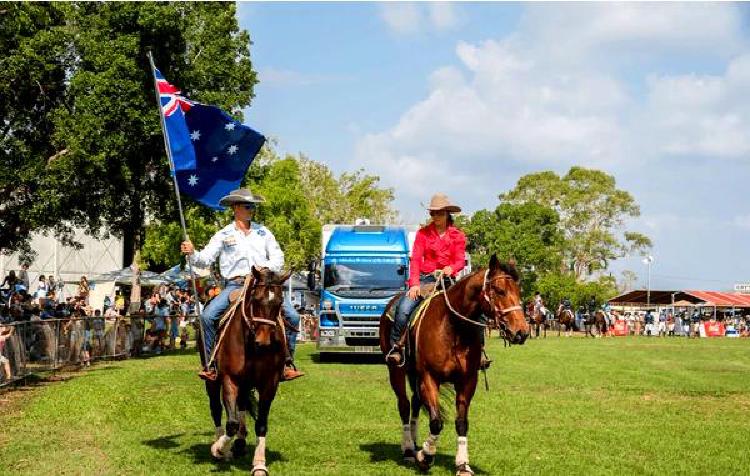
x: 256, y: 273
x: 281, y: 278
x: 494, y: 262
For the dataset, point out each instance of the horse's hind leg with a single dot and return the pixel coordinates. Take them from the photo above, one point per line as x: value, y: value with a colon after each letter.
x: 416, y: 407
x: 397, y: 377
x: 239, y: 447
x: 429, y: 392
x: 213, y: 390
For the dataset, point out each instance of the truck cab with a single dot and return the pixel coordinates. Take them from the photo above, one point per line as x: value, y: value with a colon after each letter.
x: 362, y: 268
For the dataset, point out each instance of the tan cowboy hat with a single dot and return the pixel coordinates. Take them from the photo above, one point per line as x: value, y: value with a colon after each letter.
x: 241, y: 195
x: 440, y: 201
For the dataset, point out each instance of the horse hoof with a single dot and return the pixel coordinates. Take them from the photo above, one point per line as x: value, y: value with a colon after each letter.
x: 464, y: 470
x: 218, y: 453
x: 424, y: 461
x: 409, y: 456
x: 259, y: 470
x: 239, y: 447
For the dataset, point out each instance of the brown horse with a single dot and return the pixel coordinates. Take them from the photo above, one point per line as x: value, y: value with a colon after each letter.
x: 250, y: 354
x: 598, y: 321
x: 565, y: 317
x: 539, y: 321
x: 445, y: 346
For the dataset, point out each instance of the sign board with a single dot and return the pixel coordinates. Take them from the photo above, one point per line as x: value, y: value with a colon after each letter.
x: 742, y: 288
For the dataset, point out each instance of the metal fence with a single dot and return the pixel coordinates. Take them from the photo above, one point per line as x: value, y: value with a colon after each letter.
x: 31, y: 347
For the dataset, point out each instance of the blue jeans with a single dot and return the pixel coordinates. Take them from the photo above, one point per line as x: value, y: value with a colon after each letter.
x: 292, y: 317
x: 404, y: 308
x: 212, y: 314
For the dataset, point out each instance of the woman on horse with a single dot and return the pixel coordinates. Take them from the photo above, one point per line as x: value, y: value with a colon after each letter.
x: 438, y: 246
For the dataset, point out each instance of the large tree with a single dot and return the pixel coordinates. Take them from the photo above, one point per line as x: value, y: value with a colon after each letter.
x: 33, y: 65
x: 592, y: 211
x: 526, y: 232
x: 81, y: 140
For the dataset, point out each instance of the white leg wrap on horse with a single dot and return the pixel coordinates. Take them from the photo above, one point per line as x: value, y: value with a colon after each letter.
x: 430, y: 444
x: 260, y: 451
x: 406, y: 441
x: 221, y: 448
x: 462, y: 452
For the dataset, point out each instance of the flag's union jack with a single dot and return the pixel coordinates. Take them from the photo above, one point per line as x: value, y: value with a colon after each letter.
x: 170, y: 97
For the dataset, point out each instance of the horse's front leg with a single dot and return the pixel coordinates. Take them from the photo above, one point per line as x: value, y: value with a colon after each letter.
x: 265, y: 398
x: 464, y: 394
x: 429, y: 392
x: 222, y: 447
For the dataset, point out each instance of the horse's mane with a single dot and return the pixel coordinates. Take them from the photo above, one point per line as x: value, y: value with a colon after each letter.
x: 506, y: 268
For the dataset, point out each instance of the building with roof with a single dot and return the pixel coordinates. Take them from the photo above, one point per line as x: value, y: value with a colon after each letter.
x: 716, y: 301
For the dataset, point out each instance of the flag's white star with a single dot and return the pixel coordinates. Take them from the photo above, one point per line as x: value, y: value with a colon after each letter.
x: 214, y: 158
x: 195, y: 135
x: 232, y: 149
x: 193, y: 180
x: 229, y: 126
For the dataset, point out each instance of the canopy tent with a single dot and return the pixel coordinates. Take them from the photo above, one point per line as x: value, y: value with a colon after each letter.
x: 176, y: 274
x: 125, y: 276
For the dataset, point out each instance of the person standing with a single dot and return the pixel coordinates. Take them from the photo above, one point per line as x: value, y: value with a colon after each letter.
x: 83, y: 290
x: 239, y: 246
x: 23, y: 277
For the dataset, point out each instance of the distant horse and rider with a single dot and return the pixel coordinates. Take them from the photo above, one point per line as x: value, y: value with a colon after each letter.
x: 565, y: 317
x: 444, y: 346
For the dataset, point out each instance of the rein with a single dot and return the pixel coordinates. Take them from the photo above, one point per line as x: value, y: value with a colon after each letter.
x: 229, y: 314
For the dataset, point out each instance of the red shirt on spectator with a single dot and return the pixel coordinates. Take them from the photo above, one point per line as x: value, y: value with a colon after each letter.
x: 432, y: 252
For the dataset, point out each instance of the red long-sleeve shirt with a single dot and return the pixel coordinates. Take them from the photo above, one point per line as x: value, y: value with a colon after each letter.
x: 432, y: 252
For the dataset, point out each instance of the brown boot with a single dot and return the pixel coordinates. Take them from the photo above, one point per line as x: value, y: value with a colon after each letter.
x: 291, y: 373
x: 208, y: 374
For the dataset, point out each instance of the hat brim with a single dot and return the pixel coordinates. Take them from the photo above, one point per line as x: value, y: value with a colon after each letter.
x: 447, y: 208
x: 232, y: 199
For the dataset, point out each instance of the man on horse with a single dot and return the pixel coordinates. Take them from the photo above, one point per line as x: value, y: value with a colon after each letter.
x: 439, y: 246
x: 565, y: 307
x: 239, y: 246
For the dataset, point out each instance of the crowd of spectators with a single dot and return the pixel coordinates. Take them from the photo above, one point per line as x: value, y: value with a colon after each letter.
x: 39, y: 323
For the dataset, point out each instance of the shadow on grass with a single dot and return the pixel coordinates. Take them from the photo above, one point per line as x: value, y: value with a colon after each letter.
x: 201, y: 452
x: 166, y: 353
x: 382, y: 451
x: 344, y: 358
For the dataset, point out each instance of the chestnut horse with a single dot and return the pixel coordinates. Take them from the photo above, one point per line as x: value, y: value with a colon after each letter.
x: 565, y: 317
x: 250, y: 354
x: 445, y: 347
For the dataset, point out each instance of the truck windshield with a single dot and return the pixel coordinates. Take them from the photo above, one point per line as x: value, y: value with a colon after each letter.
x: 373, y: 276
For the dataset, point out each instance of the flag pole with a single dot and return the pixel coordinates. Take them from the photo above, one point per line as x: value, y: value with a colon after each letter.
x: 179, y: 206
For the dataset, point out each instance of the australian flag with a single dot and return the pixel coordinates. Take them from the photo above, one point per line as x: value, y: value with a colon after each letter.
x: 211, y: 150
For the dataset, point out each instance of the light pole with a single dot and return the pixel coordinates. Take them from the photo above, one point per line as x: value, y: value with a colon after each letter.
x: 647, y: 261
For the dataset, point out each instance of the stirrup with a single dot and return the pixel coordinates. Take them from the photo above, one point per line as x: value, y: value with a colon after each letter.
x: 396, y: 356
x: 484, y: 361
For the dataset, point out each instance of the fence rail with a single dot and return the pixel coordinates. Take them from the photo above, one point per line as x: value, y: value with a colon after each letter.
x: 32, y: 347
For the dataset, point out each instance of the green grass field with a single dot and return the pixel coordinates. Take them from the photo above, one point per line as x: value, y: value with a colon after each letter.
x: 555, y: 406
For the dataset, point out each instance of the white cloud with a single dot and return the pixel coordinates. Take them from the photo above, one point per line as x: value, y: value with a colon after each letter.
x: 546, y: 96
x: 742, y: 221
x: 409, y: 18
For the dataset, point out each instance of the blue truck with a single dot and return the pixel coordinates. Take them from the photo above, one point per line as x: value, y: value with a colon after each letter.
x: 361, y: 268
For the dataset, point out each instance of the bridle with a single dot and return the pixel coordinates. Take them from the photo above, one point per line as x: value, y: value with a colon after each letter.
x: 485, y: 294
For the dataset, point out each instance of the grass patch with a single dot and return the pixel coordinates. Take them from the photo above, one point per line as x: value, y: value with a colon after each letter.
x: 555, y: 406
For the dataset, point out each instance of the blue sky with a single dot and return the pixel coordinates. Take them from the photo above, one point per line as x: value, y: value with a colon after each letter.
x: 466, y: 98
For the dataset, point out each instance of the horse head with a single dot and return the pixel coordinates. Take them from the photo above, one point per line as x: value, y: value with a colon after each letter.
x: 263, y: 303
x: 501, y: 300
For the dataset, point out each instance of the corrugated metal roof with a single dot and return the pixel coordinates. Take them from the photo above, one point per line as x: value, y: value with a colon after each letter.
x: 718, y: 298
x: 661, y: 297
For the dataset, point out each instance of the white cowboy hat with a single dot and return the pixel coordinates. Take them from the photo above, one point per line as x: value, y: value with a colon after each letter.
x: 241, y: 195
